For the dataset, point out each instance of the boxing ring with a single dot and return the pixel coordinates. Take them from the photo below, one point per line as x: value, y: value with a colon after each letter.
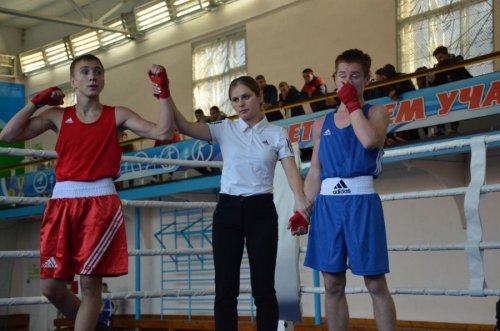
x: 290, y: 289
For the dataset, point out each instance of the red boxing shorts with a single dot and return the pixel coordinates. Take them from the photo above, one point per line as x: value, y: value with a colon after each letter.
x: 85, y: 236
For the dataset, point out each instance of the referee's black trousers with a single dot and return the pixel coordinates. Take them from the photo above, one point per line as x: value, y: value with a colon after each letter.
x: 237, y: 220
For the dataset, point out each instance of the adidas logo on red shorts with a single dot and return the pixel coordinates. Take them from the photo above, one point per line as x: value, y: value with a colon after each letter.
x: 50, y: 263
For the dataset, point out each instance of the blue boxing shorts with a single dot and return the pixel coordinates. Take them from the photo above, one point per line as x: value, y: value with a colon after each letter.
x: 347, y: 229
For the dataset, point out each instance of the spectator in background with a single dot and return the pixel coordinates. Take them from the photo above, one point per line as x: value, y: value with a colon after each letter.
x: 421, y: 84
x: 290, y: 94
x: 371, y: 93
x: 421, y: 81
x: 434, y: 79
x: 270, y: 97
x: 394, y: 91
x: 313, y: 87
x: 200, y: 116
x: 444, y: 59
x: 216, y: 114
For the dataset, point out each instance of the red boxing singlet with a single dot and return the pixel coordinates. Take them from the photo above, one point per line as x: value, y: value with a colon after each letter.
x: 87, y: 151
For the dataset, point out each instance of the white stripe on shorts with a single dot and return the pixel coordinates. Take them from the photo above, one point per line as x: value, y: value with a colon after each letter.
x: 101, y: 247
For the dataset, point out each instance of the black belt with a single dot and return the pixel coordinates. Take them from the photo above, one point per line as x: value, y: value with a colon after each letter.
x: 254, y: 198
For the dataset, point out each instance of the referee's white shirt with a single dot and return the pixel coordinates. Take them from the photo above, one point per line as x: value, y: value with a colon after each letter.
x: 249, y: 155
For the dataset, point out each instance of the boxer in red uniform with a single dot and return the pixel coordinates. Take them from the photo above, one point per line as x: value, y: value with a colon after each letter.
x: 83, y: 231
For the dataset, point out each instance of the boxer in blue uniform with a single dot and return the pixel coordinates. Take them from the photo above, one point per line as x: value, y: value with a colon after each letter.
x: 347, y: 229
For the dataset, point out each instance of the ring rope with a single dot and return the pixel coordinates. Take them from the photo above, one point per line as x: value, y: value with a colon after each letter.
x: 198, y: 251
x: 438, y: 146
x: 129, y: 203
x: 46, y: 154
x: 457, y: 143
x: 436, y: 193
x: 410, y: 291
x: 430, y: 247
x: 208, y: 292
x: 124, y: 296
x: 137, y: 252
x: 179, y: 204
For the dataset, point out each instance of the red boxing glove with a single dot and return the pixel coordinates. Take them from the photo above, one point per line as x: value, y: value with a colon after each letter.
x: 298, y: 224
x: 349, y: 97
x: 45, y: 97
x: 161, y: 82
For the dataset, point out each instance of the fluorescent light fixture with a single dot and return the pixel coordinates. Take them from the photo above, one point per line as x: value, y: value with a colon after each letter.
x: 184, y: 7
x: 180, y: 2
x: 7, y: 61
x: 56, y: 52
x: 85, y: 42
x: 31, y: 61
x: 188, y: 10
x: 152, y: 14
x: 152, y: 23
x: 108, y: 37
x: 147, y: 16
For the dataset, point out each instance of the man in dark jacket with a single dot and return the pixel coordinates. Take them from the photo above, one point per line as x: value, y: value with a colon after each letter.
x: 270, y: 95
x: 394, y: 91
x: 444, y: 58
x: 290, y: 94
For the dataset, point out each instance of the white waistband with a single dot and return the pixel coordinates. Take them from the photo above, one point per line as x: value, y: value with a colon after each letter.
x: 347, y: 186
x: 72, y: 189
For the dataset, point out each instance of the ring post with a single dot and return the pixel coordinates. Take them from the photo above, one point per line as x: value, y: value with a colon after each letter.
x: 137, y: 261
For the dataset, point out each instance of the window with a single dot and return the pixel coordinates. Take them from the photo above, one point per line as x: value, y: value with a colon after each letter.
x: 215, y: 64
x: 464, y: 26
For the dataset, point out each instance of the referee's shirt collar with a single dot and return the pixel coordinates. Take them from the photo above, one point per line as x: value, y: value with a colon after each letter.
x: 258, y: 127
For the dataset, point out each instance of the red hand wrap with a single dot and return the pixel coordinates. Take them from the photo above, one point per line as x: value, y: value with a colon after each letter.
x: 45, y: 98
x: 297, y: 221
x: 161, y: 81
x: 349, y: 97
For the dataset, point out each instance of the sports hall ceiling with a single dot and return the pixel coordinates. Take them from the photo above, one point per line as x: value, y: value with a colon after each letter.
x: 25, y: 14
x: 83, y: 25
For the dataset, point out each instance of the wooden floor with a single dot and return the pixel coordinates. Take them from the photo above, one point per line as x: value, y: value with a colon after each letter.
x: 202, y: 323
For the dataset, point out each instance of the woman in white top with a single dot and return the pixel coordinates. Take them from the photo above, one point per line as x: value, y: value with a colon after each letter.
x: 245, y: 212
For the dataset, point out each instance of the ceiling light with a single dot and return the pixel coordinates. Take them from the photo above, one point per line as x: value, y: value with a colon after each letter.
x: 151, y: 15
x: 180, y: 2
x: 56, y: 52
x: 7, y: 61
x: 31, y: 61
x: 107, y: 37
x: 85, y: 42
